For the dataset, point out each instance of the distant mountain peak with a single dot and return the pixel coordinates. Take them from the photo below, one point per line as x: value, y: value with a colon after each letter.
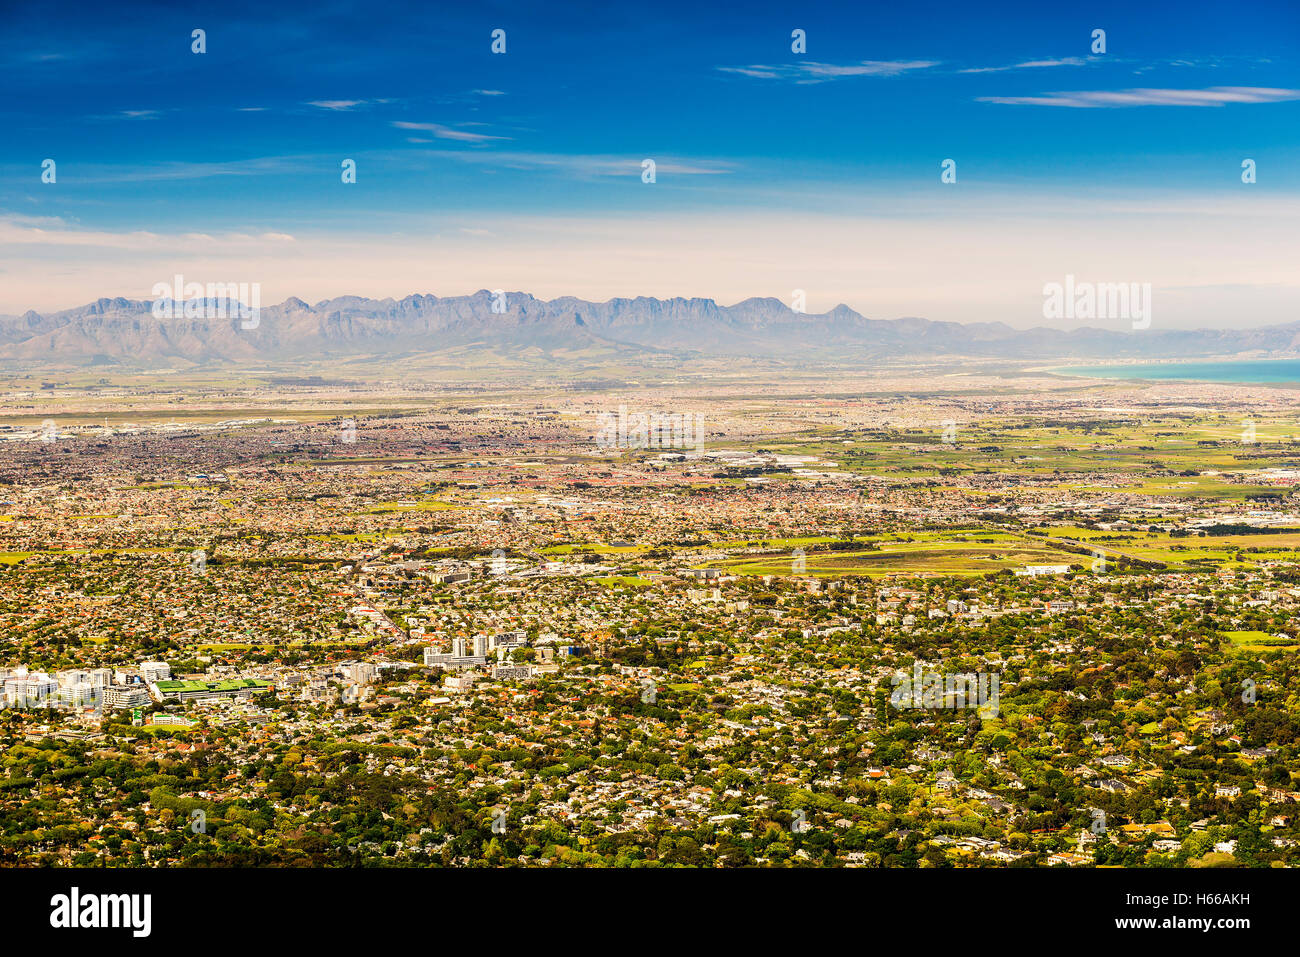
x: 423, y: 323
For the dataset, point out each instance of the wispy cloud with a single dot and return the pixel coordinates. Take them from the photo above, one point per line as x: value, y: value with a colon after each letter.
x: 129, y: 115
x: 1213, y: 96
x: 447, y: 132
x: 1030, y: 65
x: 589, y: 164
x: 337, y: 105
x: 165, y: 171
x: 813, y: 72
x: 344, y: 106
x: 53, y: 231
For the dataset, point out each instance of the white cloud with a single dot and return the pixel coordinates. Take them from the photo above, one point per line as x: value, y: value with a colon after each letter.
x: 1029, y: 65
x: 335, y: 104
x: 1213, y: 96
x: 129, y: 115
x: 94, y: 174
x: 588, y: 165
x: 813, y: 72
x: 55, y: 232
x: 447, y: 132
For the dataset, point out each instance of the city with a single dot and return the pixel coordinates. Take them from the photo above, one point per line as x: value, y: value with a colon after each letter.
x: 468, y: 630
x: 664, y: 473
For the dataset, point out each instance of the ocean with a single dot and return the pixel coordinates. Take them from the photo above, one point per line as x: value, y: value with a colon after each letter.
x: 1254, y: 371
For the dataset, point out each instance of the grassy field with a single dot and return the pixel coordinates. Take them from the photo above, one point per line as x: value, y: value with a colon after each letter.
x: 1250, y: 641
x: 1194, y: 444
x: 1189, y: 552
x: 425, y: 505
x: 978, y: 553
x: 13, y: 558
x: 291, y: 646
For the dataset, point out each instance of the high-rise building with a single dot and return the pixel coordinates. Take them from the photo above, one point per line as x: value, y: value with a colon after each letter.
x: 433, y: 658
x: 79, y: 693
x: 121, y: 696
x: 153, y: 671
x: 362, y: 672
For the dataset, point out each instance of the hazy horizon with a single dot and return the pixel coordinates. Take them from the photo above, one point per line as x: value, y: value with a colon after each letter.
x: 1103, y: 325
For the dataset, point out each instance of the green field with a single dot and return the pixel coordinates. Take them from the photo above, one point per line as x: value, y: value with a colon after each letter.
x: 1258, y: 641
x: 931, y: 553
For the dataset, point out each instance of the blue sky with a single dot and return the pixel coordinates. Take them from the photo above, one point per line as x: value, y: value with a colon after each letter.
x: 475, y: 169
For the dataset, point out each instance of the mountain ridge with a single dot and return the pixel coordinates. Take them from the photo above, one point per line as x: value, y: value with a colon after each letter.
x: 125, y: 330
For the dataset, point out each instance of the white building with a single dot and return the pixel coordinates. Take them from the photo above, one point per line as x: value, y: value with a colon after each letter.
x: 177, y: 720
x: 1035, y: 570
x: 153, y: 671
x: 79, y: 693
x: 362, y: 672
x: 125, y: 696
x: 512, y: 672
x: 34, y: 689
x: 463, y: 682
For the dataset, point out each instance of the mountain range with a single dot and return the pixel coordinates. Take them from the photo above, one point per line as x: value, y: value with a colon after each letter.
x: 125, y: 331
